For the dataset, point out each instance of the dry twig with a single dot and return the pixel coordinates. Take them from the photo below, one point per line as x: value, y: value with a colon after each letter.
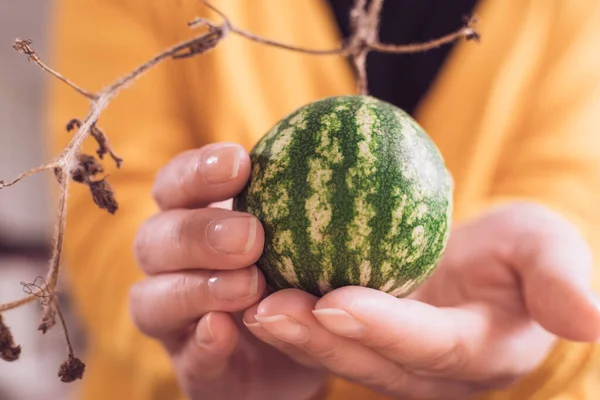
x: 70, y: 164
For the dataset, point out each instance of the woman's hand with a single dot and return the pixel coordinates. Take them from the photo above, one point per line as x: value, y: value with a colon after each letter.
x: 199, y: 262
x: 508, y: 285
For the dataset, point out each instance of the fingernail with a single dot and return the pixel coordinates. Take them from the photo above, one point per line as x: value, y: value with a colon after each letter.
x: 222, y: 164
x: 232, y: 235
x: 285, y: 328
x: 254, y: 324
x: 204, y: 335
x: 228, y: 286
x: 339, y: 322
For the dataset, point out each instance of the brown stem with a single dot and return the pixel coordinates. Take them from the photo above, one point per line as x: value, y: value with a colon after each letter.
x: 359, y: 62
x: 466, y: 32
x: 374, y: 18
x: 59, y: 231
x: 18, y: 303
x: 269, y: 42
x: 64, y: 327
x: 24, y: 46
x: 34, y: 171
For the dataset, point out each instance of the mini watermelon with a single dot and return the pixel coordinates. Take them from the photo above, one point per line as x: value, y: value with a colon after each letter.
x: 350, y: 191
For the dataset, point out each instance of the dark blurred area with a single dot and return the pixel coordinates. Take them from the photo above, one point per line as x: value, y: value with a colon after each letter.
x: 26, y: 210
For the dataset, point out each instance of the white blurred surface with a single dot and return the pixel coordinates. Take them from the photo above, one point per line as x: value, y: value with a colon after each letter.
x: 26, y: 209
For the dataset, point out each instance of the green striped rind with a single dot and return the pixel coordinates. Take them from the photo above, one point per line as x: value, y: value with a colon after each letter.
x: 350, y: 191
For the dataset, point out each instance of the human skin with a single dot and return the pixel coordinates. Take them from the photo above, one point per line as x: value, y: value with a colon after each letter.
x: 507, y: 287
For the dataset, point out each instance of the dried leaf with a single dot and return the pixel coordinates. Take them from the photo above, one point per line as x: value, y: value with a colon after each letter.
x: 71, y: 370
x: 103, y: 195
x: 8, y: 350
x: 101, y: 138
x: 48, y: 317
x: 87, y: 167
x: 104, y: 146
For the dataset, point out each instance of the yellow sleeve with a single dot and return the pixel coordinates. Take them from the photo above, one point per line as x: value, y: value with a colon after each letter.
x: 94, y: 43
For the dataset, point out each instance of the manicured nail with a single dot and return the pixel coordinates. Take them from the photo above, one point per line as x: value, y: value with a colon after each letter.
x: 254, y: 324
x: 285, y: 328
x: 222, y: 164
x: 339, y: 322
x: 204, y: 335
x: 233, y: 235
x: 241, y: 284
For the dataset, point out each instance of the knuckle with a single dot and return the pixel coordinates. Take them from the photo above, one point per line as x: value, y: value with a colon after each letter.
x: 329, y: 354
x: 392, y: 379
x: 140, y: 245
x: 179, y: 234
x: 195, y: 375
x: 136, y: 299
x: 456, y: 359
x: 191, y: 289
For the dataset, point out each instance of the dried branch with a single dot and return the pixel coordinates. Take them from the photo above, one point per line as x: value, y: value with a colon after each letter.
x: 27, y: 174
x: 468, y: 32
x: 63, y: 324
x: 24, y: 46
x: 70, y: 164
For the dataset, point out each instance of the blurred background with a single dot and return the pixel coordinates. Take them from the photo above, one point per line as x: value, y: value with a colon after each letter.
x: 26, y: 210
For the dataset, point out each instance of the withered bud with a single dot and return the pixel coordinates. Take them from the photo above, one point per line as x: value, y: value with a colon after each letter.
x: 103, y: 195
x: 8, y: 350
x: 58, y: 173
x: 73, y: 124
x: 24, y: 46
x: 202, y: 44
x: 87, y: 166
x: 473, y: 35
x: 48, y: 317
x: 71, y: 370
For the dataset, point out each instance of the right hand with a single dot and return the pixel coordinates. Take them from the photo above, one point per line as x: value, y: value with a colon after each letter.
x: 200, y: 278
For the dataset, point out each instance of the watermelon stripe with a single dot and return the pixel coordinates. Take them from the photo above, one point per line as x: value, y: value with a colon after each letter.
x: 384, y: 202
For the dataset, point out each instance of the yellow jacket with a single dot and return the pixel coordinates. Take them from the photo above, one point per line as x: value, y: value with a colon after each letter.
x: 517, y: 116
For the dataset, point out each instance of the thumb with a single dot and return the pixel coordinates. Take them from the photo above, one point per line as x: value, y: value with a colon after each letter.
x: 554, y: 263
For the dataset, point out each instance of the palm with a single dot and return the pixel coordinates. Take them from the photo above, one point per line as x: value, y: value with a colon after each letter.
x: 485, y: 283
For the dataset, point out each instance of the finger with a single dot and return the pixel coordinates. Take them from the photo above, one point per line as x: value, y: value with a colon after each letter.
x: 205, y: 355
x: 287, y: 315
x: 196, y: 178
x: 208, y: 238
x: 448, y: 342
x: 265, y: 336
x: 550, y: 260
x: 167, y: 304
x: 554, y: 262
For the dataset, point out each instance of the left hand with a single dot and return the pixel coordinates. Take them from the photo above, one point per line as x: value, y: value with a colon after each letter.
x: 509, y: 284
